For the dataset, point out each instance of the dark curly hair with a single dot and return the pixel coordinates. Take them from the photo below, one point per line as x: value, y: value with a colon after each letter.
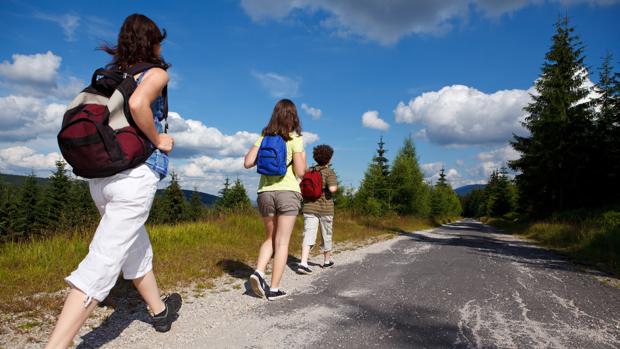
x: 136, y: 43
x: 284, y: 120
x: 322, y: 154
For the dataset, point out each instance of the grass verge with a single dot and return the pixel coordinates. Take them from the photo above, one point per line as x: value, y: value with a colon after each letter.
x: 591, y: 238
x: 32, y: 271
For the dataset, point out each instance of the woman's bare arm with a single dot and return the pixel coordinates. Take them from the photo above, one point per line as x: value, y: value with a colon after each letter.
x: 140, y: 105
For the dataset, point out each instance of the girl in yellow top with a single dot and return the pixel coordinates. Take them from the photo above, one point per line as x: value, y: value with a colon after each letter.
x: 279, y: 198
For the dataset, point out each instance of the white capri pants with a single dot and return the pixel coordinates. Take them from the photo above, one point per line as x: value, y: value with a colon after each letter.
x: 121, y: 242
x: 311, y: 224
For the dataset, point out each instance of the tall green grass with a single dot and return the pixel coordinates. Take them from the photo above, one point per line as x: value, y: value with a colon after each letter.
x: 588, y: 237
x: 183, y: 253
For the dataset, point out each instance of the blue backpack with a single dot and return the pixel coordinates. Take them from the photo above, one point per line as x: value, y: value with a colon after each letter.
x: 271, y: 158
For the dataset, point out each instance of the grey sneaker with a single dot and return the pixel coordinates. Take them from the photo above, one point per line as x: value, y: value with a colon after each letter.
x: 328, y: 264
x: 272, y: 296
x: 302, y: 269
x: 163, y: 321
x: 259, y: 285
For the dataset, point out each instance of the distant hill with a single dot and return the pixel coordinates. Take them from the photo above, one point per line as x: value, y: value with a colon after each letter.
x: 206, y: 199
x: 18, y: 180
x: 466, y: 189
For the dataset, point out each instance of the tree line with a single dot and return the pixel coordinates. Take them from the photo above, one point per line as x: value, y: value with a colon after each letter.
x: 64, y: 203
x: 570, y: 158
x: 400, y: 188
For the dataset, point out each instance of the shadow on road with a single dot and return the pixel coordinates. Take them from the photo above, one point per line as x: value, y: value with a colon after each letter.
x: 401, y: 326
x: 128, y: 307
x: 476, y: 237
x: 235, y: 268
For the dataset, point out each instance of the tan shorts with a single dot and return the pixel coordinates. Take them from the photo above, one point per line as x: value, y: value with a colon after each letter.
x: 279, y: 203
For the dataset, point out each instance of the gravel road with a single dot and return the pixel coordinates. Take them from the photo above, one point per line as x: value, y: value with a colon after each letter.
x: 458, y: 286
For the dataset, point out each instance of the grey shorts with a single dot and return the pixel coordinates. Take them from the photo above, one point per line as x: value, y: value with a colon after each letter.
x: 279, y: 203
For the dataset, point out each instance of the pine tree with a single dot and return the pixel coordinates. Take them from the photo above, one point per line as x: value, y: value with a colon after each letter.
x: 240, y: 199
x: 27, y: 208
x: 81, y: 207
x: 8, y: 210
x: 607, y: 137
x: 443, y: 201
x: 173, y: 210
x: 55, y: 202
x: 195, y: 206
x: 233, y: 198
x: 555, y: 162
x: 501, y: 196
x: 474, y: 204
x: 410, y: 192
x: 380, y: 158
x: 375, y: 194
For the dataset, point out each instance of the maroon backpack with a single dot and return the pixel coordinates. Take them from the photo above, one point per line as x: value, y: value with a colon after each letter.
x: 312, y: 185
x: 99, y: 137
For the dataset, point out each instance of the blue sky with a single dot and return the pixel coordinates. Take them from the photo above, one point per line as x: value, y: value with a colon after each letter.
x: 452, y: 74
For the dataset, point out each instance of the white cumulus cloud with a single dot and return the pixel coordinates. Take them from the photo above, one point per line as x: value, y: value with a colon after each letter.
x: 461, y: 115
x: 194, y: 137
x: 20, y: 158
x: 310, y: 137
x: 36, y: 68
x: 315, y: 113
x: 25, y: 118
x: 494, y: 159
x: 371, y: 119
x: 37, y: 75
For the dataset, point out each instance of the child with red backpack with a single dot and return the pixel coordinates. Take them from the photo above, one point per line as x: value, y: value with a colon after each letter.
x: 317, y: 188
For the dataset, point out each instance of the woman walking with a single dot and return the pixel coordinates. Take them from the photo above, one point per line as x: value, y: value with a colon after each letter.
x: 121, y: 242
x: 279, y: 195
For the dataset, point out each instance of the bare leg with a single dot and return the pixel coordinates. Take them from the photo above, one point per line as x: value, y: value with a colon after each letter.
x: 71, y: 319
x: 327, y: 256
x: 283, y: 236
x: 147, y: 286
x: 267, y: 248
x: 305, y: 253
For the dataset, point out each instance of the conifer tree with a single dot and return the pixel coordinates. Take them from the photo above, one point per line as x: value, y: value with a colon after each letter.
x: 8, y: 210
x: 173, y: 209
x: 233, y: 198
x: 501, y: 196
x: 607, y: 137
x: 380, y: 158
x: 555, y: 162
x: 240, y: 198
x: 55, y: 203
x: 27, y: 208
x: 474, y: 204
x: 375, y: 194
x: 81, y: 208
x: 195, y: 206
x: 410, y: 192
x: 444, y: 202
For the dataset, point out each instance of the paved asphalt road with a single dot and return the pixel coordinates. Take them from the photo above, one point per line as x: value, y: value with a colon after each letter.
x: 460, y: 286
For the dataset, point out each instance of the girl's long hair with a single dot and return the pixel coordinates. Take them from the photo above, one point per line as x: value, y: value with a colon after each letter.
x: 284, y: 120
x: 136, y: 43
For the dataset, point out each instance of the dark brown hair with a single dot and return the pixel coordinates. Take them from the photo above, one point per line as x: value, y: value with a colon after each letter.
x: 284, y: 120
x: 136, y: 43
x: 322, y: 154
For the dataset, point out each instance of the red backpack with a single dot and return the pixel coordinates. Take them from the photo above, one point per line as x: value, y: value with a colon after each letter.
x: 312, y: 185
x: 99, y: 137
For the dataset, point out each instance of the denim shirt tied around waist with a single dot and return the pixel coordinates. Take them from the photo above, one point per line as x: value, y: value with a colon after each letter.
x: 158, y: 161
